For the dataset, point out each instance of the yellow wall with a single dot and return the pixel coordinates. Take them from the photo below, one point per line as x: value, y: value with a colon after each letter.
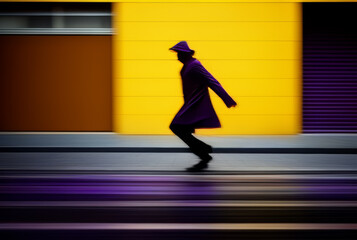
x: 137, y: 1
x: 253, y: 49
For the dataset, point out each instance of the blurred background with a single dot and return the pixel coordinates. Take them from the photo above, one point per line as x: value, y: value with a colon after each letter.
x: 89, y: 88
x: 106, y: 66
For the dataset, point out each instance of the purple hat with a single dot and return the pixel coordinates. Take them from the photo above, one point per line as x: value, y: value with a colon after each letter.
x: 181, y: 47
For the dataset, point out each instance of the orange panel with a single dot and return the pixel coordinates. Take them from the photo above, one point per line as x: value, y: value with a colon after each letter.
x: 55, y: 83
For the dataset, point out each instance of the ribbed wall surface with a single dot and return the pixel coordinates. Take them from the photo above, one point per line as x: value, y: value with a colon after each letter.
x: 253, y: 49
x: 329, y: 68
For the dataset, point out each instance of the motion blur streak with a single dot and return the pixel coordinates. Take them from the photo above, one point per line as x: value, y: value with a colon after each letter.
x: 146, y: 206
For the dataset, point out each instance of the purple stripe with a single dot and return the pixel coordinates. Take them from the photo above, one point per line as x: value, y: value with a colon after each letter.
x: 316, y: 53
x: 331, y: 112
x: 326, y: 95
x: 329, y: 76
x: 332, y: 108
x: 330, y: 39
x: 327, y: 49
x: 331, y: 104
x: 328, y: 92
x: 328, y: 84
x: 336, y: 127
x: 347, y: 115
x: 329, y: 79
x: 322, y: 74
x: 338, y: 89
x: 331, y: 98
x: 317, y: 71
x: 331, y: 51
x: 314, y: 121
x: 329, y: 68
x: 327, y: 101
x: 333, y: 64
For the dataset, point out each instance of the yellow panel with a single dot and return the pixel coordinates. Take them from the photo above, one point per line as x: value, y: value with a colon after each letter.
x: 158, y: 87
x: 211, y: 49
x: 143, y: 124
x: 209, y: 12
x: 246, y: 105
x: 183, y: 1
x: 149, y: 69
x: 232, y: 125
x: 222, y: 31
x: 235, y: 87
x: 256, y: 124
x: 149, y: 105
x: 262, y: 87
x: 258, y: 105
x: 219, y: 68
x: 253, y: 68
x: 257, y: 60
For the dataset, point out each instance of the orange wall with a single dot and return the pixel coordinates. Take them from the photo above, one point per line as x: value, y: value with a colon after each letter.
x: 55, y: 83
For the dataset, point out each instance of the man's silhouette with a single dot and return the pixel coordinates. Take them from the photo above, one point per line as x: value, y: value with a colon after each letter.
x: 197, y: 110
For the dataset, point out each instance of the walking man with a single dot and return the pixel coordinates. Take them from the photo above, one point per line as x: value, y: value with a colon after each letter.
x: 197, y: 110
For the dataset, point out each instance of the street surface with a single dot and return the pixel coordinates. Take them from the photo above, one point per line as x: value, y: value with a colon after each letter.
x: 68, y: 187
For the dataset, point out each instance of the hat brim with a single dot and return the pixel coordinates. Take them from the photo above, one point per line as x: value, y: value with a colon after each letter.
x: 179, y: 50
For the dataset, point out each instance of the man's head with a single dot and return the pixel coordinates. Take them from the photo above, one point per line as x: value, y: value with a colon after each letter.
x: 184, y: 56
x: 184, y: 53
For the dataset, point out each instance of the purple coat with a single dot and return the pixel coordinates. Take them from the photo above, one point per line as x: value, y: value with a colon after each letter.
x: 197, y: 110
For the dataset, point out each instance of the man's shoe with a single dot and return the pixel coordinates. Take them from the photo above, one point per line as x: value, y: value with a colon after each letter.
x: 202, y: 154
x: 198, y: 167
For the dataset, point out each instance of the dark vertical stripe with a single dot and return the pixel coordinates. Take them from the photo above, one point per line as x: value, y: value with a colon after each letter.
x: 329, y: 68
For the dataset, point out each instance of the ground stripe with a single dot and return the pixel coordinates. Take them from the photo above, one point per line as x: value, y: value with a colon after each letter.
x: 177, y: 226
x: 199, y: 203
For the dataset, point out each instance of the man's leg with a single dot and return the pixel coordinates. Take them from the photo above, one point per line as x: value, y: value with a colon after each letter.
x: 198, y: 147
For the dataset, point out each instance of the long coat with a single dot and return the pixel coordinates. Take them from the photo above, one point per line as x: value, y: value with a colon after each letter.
x: 197, y: 110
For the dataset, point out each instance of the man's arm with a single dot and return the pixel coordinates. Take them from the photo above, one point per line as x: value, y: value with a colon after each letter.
x: 212, y: 83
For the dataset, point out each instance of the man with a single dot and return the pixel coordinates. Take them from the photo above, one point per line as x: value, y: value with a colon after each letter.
x: 197, y: 110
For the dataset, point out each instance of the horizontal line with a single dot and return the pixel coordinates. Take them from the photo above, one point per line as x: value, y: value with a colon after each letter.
x: 204, y: 40
x: 210, y: 173
x: 62, y: 133
x: 321, y: 123
x: 60, y: 31
x: 253, y: 176
x: 175, y: 60
x: 208, y: 40
x: 314, y: 80
x: 183, y: 150
x: 351, y: 79
x: 208, y: 59
x: 266, y: 176
x: 57, y: 34
x: 178, y: 226
x: 55, y: 14
x: 180, y: 96
x: 340, y: 120
x: 212, y: 97
x: 181, y: 203
x: 227, y: 115
x: 159, y: 21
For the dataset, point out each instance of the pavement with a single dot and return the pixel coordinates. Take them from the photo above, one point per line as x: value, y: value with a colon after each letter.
x: 155, y: 153
x: 112, y: 186
x: 169, y: 141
